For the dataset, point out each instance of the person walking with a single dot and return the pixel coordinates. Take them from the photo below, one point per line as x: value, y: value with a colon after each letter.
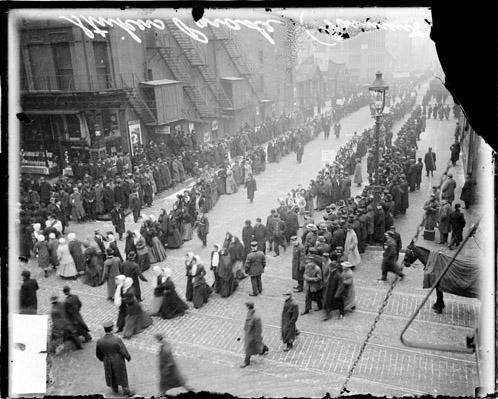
x: 62, y: 329
x: 448, y: 189
x: 112, y: 268
x: 28, y: 303
x: 203, y: 228
x: 334, y: 289
x: 130, y: 268
x: 455, y: 152
x: 118, y: 220
x: 389, y: 258
x: 253, y: 335
x: 457, y: 223
x: 444, y: 221
x: 169, y: 374
x: 255, y: 266
x: 467, y: 192
x: 251, y: 187
x: 298, y: 262
x: 430, y: 162
x: 290, y: 313
x: 113, y: 353
x: 73, y: 307
x: 312, y: 287
x: 260, y: 235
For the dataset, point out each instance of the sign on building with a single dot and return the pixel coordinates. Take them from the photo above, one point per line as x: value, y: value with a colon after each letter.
x: 207, y: 137
x: 328, y: 156
x: 165, y: 129
x: 135, y: 136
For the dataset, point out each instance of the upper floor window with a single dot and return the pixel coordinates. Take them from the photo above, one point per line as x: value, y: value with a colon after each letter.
x: 102, y: 65
x: 63, y: 66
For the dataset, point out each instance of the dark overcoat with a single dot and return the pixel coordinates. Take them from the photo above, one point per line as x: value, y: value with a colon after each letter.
x: 76, y: 251
x: 290, y: 313
x: 253, y: 334
x: 170, y: 376
x: 73, y: 307
x: 298, y: 262
x: 111, y: 350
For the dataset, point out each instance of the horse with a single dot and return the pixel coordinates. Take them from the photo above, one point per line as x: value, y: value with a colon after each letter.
x: 414, y: 252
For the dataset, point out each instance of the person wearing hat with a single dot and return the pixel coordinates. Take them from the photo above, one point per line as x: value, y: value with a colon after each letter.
x: 357, y: 179
x: 113, y: 353
x: 290, y: 313
x: 169, y: 374
x: 431, y: 209
x: 130, y: 268
x: 255, y: 266
x: 62, y: 328
x: 277, y: 230
x: 118, y: 219
x: 112, y: 268
x: 312, y: 286
x: 247, y: 236
x: 260, y: 235
x: 430, y: 162
x: 253, y: 335
x: 351, y: 246
x: 73, y: 307
x: 298, y: 262
x: 444, y: 221
x: 389, y: 258
x: 448, y: 189
x: 53, y: 244
x: 457, y: 223
x: 28, y: 303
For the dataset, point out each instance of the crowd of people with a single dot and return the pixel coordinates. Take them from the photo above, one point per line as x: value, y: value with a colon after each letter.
x: 325, y: 253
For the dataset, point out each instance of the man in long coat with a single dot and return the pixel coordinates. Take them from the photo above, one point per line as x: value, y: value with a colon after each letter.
x: 298, y: 263
x: 28, y: 303
x: 255, y: 267
x: 112, y: 351
x: 73, y: 307
x: 448, y: 189
x: 431, y: 209
x: 131, y: 269
x: 251, y: 187
x: 118, y: 219
x: 290, y: 313
x: 420, y: 167
x: 457, y: 223
x: 169, y: 374
x: 312, y: 286
x: 430, y: 162
x: 260, y: 235
x: 247, y: 236
x: 253, y: 335
x: 444, y: 221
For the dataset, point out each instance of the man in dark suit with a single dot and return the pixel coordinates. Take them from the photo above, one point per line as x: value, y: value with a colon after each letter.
x: 112, y: 351
x: 131, y: 269
x: 260, y: 235
x: 255, y: 267
x: 118, y: 219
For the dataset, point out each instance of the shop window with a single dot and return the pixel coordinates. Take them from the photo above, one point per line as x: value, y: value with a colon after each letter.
x: 102, y: 65
x: 63, y: 66
x: 110, y: 123
x: 73, y: 127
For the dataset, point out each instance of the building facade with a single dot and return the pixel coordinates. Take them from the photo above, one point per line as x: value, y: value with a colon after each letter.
x: 88, y: 97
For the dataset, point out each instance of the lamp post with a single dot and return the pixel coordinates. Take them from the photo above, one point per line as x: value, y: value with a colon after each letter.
x: 378, y: 91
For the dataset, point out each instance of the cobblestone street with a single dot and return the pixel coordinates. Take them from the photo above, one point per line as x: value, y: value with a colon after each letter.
x: 208, y: 343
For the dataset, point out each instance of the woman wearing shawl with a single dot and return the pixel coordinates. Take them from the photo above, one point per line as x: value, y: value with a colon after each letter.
x: 237, y: 256
x: 174, y: 238
x: 67, y: 268
x: 172, y: 305
x: 348, y: 282
x: 189, y: 290
x: 93, y: 270
x: 143, y: 258
x: 136, y: 319
x: 163, y: 227
x: 118, y: 302
x: 75, y: 249
x: 157, y: 289
x: 158, y: 250
x: 201, y: 290
x: 227, y: 284
x: 42, y: 253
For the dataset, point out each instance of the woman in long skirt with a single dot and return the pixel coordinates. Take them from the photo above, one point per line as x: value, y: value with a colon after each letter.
x: 157, y: 289
x: 143, y: 258
x: 174, y: 238
x: 231, y: 183
x: 227, y: 284
x: 130, y: 243
x: 201, y: 290
x: 136, y: 319
x: 172, y: 304
x: 157, y: 246
x: 67, y: 268
x: 189, y: 260
x: 41, y: 251
x: 237, y: 255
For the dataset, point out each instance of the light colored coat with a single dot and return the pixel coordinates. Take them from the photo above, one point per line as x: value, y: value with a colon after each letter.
x: 351, y: 248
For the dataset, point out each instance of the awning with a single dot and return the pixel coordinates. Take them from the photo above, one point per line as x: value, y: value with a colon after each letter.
x: 161, y: 82
x: 52, y: 112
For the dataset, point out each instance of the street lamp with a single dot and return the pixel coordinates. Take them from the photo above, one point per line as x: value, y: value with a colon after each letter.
x: 378, y: 91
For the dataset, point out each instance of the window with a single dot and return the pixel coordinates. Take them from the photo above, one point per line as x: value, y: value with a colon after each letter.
x: 73, y: 127
x: 104, y: 80
x: 41, y: 67
x: 63, y: 66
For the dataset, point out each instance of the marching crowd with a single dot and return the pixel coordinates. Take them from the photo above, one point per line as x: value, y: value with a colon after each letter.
x: 325, y: 253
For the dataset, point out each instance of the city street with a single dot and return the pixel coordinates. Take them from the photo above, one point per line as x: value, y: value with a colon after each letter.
x: 208, y: 343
